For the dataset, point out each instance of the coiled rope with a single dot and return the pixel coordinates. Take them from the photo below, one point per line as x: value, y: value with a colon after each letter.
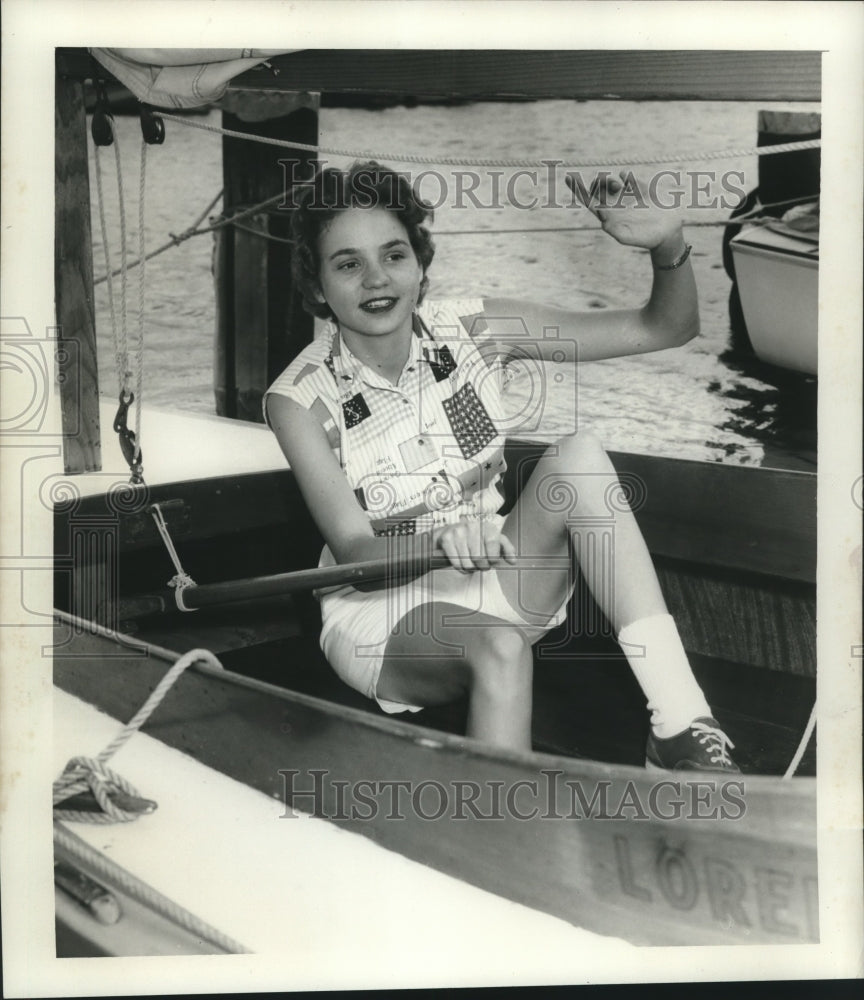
x: 83, y: 774
x: 143, y: 893
x: 458, y: 161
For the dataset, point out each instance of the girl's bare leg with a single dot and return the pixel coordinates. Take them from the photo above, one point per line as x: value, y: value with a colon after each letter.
x: 574, y: 494
x: 563, y: 499
x: 568, y: 496
x: 428, y: 662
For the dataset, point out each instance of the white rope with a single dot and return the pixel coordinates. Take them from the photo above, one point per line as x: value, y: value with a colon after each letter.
x: 118, y: 360
x: 124, y: 373
x: 451, y: 161
x: 139, y: 349
x: 118, y: 330
x: 84, y: 774
x: 159, y: 692
x: 145, y: 894
x: 802, y: 746
x: 756, y: 217
x: 193, y: 230
x: 182, y: 579
x: 201, y: 217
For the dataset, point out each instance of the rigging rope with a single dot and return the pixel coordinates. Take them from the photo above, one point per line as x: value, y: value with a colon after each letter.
x: 193, y: 230
x: 139, y: 352
x: 203, y: 215
x: 129, y: 439
x: 182, y: 579
x: 83, y: 774
x: 119, y: 364
x: 142, y: 892
x: 802, y: 745
x: 118, y: 331
x: 455, y: 161
x: 441, y: 160
x: 124, y: 347
x: 755, y: 217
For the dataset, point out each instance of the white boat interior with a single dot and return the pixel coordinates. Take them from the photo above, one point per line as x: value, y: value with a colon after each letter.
x: 300, y: 886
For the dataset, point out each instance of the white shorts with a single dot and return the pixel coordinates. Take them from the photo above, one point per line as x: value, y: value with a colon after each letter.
x: 357, y: 625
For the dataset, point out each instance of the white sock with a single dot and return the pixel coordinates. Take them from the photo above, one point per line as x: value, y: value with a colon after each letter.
x: 656, y: 656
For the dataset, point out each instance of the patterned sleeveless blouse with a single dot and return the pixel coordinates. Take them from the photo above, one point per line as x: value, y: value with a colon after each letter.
x: 427, y: 451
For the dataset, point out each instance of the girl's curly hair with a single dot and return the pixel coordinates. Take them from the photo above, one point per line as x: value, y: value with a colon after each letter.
x: 364, y: 185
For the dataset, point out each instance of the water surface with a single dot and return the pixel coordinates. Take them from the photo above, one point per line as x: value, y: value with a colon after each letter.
x: 691, y: 402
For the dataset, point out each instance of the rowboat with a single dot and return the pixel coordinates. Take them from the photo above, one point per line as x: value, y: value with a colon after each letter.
x: 774, y: 264
x: 777, y: 268
x: 583, y: 832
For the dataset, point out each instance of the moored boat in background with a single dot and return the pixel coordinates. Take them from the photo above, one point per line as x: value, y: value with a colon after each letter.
x: 774, y: 260
x: 777, y: 270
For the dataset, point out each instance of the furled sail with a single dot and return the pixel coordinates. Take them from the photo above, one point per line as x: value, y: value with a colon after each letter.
x: 180, y: 78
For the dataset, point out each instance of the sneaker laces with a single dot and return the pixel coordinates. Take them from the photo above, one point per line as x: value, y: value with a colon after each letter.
x: 714, y: 740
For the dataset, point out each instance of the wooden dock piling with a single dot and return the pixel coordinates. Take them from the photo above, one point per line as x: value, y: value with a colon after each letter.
x: 261, y: 324
x: 73, y: 277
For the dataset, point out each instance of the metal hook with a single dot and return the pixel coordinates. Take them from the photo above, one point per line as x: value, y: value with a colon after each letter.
x: 128, y: 444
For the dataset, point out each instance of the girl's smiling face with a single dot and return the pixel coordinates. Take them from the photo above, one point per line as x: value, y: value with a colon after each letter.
x: 370, y: 276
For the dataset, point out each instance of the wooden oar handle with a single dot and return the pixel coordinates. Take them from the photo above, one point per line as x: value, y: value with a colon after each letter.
x: 396, y: 570
x: 393, y: 571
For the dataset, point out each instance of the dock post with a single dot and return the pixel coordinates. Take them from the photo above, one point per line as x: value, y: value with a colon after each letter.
x: 260, y: 324
x: 73, y: 279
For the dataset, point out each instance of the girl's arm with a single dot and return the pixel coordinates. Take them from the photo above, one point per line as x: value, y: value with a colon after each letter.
x: 325, y: 488
x: 669, y: 319
x: 340, y: 518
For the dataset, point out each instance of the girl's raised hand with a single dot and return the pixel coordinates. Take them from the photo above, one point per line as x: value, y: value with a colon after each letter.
x: 626, y: 211
x: 473, y: 545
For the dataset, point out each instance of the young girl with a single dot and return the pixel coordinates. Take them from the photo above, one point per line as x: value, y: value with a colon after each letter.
x: 392, y: 421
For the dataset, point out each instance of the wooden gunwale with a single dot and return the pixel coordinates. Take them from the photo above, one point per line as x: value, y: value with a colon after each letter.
x: 727, y: 517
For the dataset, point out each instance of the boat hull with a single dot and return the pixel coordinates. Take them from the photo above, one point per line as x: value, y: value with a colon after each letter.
x: 605, y: 846
x: 778, y: 281
x: 608, y: 848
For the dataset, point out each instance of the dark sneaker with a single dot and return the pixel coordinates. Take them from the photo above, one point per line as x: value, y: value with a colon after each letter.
x: 701, y: 747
